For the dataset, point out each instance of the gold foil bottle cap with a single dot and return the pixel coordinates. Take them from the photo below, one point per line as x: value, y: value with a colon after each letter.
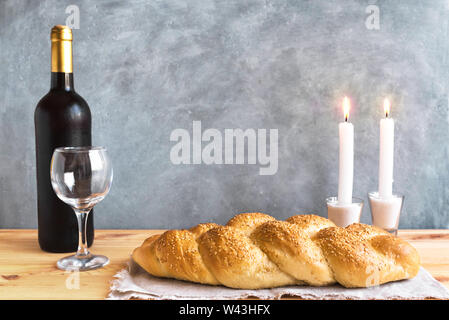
x: 60, y: 33
x: 61, y: 49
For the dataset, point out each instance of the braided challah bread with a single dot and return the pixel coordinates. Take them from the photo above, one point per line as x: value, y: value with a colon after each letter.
x: 254, y: 251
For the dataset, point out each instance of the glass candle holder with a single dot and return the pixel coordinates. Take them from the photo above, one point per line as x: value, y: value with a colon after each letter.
x: 344, y: 214
x: 385, y: 212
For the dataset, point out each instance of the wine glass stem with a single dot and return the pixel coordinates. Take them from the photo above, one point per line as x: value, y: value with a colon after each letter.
x: 81, y: 215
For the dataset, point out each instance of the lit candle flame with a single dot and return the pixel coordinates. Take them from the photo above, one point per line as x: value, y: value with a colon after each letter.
x: 387, y: 106
x: 346, y: 107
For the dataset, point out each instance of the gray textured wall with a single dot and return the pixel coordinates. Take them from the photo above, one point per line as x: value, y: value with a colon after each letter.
x: 149, y: 67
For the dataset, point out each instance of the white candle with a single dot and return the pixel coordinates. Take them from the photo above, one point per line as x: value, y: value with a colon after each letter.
x: 344, y: 215
x: 346, y: 157
x: 386, y: 212
x: 386, y: 150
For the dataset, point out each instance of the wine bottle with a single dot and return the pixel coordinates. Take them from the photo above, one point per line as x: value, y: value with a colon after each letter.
x: 62, y: 119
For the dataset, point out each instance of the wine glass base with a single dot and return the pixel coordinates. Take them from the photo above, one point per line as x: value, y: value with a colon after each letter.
x: 77, y: 263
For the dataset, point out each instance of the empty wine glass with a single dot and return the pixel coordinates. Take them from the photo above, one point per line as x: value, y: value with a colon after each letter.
x: 81, y: 177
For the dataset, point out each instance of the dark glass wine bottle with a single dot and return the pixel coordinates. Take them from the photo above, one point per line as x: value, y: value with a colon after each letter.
x: 62, y: 119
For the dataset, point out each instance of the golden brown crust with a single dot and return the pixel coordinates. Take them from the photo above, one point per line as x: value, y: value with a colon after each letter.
x: 247, y: 222
x: 174, y: 255
x: 293, y: 250
x: 364, y: 256
x: 311, y: 223
x: 254, y: 251
x: 237, y: 262
x: 145, y: 256
x: 201, y: 228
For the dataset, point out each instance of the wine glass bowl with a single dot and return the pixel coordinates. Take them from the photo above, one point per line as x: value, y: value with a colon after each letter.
x: 81, y: 177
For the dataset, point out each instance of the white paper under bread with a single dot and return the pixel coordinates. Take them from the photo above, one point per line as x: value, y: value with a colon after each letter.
x: 134, y: 282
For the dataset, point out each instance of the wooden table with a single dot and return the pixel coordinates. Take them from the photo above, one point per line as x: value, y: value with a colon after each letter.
x: 26, y: 272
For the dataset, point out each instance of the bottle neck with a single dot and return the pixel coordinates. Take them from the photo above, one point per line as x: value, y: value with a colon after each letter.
x: 62, y: 81
x: 61, y: 62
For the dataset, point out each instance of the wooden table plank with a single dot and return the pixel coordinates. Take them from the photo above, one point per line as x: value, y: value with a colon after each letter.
x: 26, y: 272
